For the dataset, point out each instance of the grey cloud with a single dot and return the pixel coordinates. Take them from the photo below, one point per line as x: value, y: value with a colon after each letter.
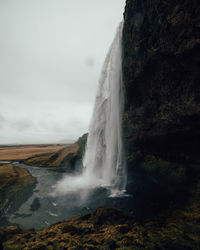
x: 2, y: 120
x: 21, y: 125
x: 90, y: 61
x: 52, y: 52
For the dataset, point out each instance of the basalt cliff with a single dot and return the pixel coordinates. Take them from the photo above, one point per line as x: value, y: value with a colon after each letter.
x: 161, y: 62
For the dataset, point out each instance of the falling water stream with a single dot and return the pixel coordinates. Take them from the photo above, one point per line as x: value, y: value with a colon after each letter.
x: 104, y: 158
x: 104, y: 163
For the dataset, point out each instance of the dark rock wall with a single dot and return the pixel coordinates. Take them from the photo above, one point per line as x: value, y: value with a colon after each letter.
x: 161, y: 70
x: 75, y: 160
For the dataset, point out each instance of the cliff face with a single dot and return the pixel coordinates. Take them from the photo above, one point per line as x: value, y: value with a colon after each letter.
x: 67, y: 159
x: 161, y: 62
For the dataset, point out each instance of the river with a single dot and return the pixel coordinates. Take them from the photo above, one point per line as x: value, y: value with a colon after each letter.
x: 44, y: 208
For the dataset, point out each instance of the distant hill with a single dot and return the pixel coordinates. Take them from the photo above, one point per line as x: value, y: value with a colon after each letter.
x: 66, y: 159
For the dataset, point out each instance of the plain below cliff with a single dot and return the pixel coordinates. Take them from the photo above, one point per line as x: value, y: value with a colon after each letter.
x: 22, y: 152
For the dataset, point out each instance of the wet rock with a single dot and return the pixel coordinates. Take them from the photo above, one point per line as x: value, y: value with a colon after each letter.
x: 35, y: 205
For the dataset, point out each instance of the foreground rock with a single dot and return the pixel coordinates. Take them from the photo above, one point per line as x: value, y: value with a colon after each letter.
x: 66, y: 159
x: 109, y: 228
x: 16, y: 184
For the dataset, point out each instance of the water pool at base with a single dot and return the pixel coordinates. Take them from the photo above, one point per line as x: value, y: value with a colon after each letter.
x: 42, y: 208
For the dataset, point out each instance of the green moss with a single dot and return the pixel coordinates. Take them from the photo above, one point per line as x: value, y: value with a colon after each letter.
x: 164, y: 170
x: 135, y: 158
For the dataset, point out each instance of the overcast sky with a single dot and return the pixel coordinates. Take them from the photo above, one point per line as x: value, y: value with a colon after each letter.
x: 51, y: 54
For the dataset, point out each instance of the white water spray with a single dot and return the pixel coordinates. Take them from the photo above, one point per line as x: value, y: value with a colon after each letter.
x: 104, y: 163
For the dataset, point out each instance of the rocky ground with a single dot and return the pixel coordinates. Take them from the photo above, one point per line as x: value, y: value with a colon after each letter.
x: 108, y: 228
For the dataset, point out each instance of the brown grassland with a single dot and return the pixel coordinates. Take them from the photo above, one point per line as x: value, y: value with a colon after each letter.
x: 26, y: 151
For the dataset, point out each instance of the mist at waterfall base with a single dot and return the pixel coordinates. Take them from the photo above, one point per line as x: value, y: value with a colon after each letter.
x: 103, y: 163
x: 41, y: 209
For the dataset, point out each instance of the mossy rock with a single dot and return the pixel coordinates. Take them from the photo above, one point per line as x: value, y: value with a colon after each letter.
x: 166, y: 171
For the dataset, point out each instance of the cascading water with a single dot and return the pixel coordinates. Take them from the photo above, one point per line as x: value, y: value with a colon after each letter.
x: 104, y: 158
x: 104, y: 163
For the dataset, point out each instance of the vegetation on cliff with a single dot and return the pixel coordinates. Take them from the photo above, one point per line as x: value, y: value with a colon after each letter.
x: 161, y: 51
x: 161, y: 61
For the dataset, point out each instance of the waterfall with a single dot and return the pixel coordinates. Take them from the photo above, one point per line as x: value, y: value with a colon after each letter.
x: 104, y: 158
x: 104, y: 163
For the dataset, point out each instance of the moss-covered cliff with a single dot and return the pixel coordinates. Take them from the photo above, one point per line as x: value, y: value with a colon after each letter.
x: 161, y: 62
